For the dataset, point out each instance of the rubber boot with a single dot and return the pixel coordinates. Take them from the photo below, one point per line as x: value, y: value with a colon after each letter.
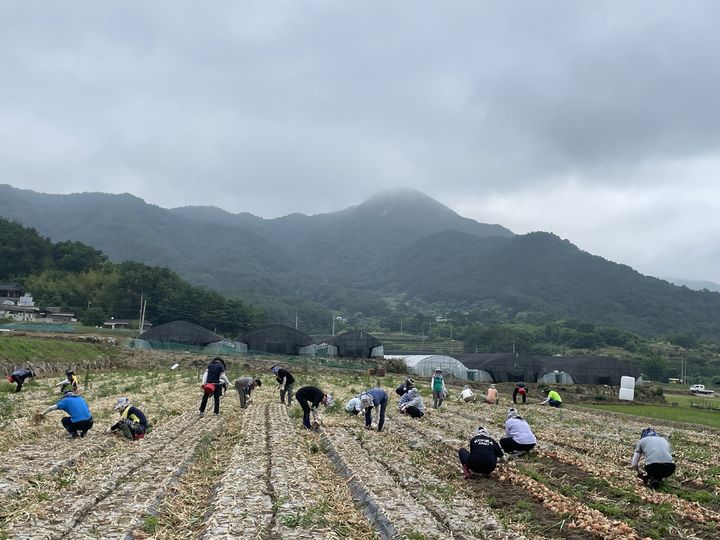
x: 466, y: 471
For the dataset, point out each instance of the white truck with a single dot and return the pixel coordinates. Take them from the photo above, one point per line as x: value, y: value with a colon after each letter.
x: 699, y: 390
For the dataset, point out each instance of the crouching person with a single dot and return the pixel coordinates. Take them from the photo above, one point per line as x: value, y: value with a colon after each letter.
x: 519, y: 437
x: 133, y: 424
x: 412, y: 404
x: 483, y: 455
x: 79, y: 421
x: 244, y: 386
x: 309, y: 398
x: 659, y: 463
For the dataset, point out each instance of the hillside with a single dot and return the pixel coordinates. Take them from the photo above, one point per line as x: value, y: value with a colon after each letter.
x: 541, y: 273
x: 396, y: 254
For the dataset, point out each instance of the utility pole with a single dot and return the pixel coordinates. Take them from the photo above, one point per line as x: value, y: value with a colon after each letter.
x: 296, y: 320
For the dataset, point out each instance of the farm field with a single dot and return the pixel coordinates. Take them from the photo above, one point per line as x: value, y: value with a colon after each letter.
x: 254, y: 473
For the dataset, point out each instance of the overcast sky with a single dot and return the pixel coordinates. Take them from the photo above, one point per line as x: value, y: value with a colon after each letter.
x: 598, y: 121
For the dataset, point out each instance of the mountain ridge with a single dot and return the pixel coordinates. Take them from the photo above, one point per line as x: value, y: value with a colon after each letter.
x: 402, y: 246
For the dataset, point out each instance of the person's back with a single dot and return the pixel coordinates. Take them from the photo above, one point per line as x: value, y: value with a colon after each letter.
x: 214, y: 370
x: 136, y: 415
x: 75, y: 406
x: 378, y: 395
x: 311, y: 394
x: 655, y: 449
x: 519, y: 430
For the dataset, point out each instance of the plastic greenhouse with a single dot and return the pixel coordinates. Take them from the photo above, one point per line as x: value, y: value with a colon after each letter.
x: 425, y: 365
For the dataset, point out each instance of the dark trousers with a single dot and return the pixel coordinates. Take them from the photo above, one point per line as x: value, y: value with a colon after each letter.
x: 414, y: 412
x: 515, y: 394
x: 216, y: 399
x: 555, y: 403
x: 482, y: 466
x: 243, y: 394
x: 19, y: 382
x: 76, y: 429
x: 658, y: 471
x: 381, y: 420
x: 289, y: 392
x: 305, y: 406
x: 509, y: 445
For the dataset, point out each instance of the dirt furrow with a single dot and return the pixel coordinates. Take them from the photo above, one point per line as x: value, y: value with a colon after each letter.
x: 399, y: 510
x: 460, y: 514
x: 243, y: 506
x: 56, y: 517
x: 138, y: 496
x: 294, y: 494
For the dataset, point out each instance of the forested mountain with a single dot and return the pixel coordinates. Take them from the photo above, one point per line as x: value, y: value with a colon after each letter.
x: 396, y: 253
x: 80, y: 279
x: 547, y: 276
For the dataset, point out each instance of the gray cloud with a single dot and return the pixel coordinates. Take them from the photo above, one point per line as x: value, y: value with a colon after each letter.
x: 275, y: 107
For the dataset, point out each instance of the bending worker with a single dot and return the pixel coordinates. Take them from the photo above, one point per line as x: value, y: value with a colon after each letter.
x: 659, y: 462
x: 213, y: 381
x: 19, y: 375
x: 309, y: 398
x: 552, y: 398
x: 483, y: 455
x: 244, y: 386
x: 79, y: 421
x: 70, y: 383
x: 285, y: 382
x: 132, y: 424
x: 403, y: 388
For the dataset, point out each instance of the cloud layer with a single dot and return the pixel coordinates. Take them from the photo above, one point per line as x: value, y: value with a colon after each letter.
x: 596, y: 121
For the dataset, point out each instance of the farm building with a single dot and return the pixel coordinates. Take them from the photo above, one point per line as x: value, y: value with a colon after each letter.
x: 508, y: 367
x: 585, y: 370
x: 356, y: 344
x: 277, y: 339
x: 185, y: 335
x: 505, y: 367
x: 423, y: 365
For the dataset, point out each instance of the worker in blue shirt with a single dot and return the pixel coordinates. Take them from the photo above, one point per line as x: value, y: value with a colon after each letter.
x: 79, y: 421
x: 375, y: 406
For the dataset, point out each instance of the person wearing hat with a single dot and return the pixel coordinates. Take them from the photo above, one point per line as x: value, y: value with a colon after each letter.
x: 375, y: 407
x: 132, y: 424
x: 213, y: 382
x: 19, y: 376
x: 372, y: 402
x: 79, y: 420
x: 437, y: 385
x: 244, y: 386
x: 518, y: 435
x: 285, y: 382
x: 70, y: 383
x: 412, y: 404
x: 402, y: 389
x: 520, y: 388
x: 483, y: 454
x: 309, y: 398
x: 659, y: 462
x: 552, y: 398
x: 492, y: 395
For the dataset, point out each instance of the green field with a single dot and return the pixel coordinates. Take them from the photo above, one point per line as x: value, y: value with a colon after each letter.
x: 683, y: 413
x: 20, y: 349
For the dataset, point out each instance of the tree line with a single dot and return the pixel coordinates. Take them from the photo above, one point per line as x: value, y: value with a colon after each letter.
x: 80, y: 279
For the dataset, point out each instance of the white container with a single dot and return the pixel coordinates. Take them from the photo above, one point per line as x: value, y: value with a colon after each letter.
x: 627, y: 382
x: 627, y: 394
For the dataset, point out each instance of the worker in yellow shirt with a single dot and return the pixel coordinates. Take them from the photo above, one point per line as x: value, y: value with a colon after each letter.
x: 552, y: 398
